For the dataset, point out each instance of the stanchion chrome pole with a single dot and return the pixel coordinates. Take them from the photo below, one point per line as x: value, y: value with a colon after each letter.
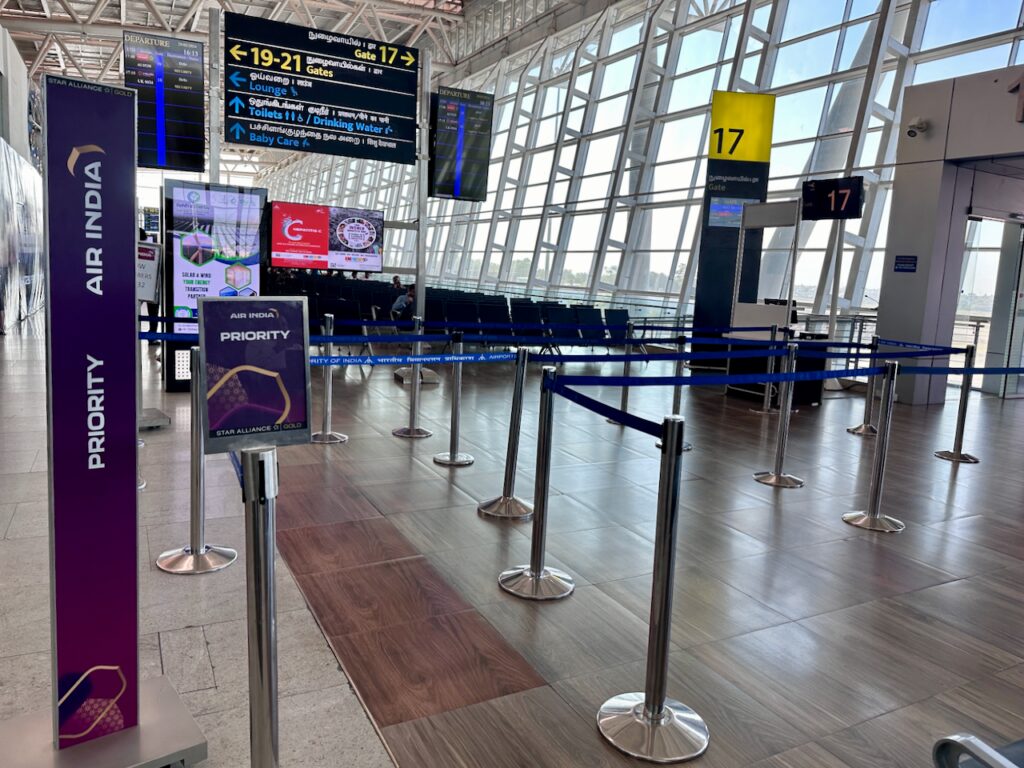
x: 957, y: 454
x: 508, y: 505
x: 778, y: 478
x: 677, y: 395
x: 326, y: 436
x: 867, y: 428
x: 453, y: 458
x: 259, y: 492
x: 873, y: 519
x: 647, y: 724
x: 535, y: 581
x: 198, y: 556
x: 766, y: 402
x: 414, y: 430
x: 624, y: 397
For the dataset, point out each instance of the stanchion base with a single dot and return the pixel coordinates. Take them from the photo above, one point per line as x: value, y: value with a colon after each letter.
x: 864, y: 430
x: 778, y: 481
x: 960, y: 458
x: 679, y: 734
x: 882, y: 523
x: 549, y: 584
x: 458, y: 460
x: 427, y: 376
x: 142, y: 485
x: 328, y: 438
x: 414, y: 433
x: 183, y: 561
x: 763, y: 412
x: 506, y: 507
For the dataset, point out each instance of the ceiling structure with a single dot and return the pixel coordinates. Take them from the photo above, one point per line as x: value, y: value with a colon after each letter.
x: 84, y: 39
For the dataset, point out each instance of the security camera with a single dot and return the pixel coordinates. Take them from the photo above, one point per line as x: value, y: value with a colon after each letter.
x: 916, y: 125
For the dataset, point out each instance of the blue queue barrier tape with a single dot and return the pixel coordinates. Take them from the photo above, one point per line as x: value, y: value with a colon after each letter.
x: 484, y: 357
x: 616, y: 415
x: 147, y: 336
x: 910, y: 353
x: 383, y: 339
x: 725, y: 355
x: 701, y: 381
x: 945, y: 371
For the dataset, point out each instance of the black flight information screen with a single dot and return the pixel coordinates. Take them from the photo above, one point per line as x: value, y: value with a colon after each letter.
x: 168, y: 75
x: 291, y: 87
x: 460, y: 148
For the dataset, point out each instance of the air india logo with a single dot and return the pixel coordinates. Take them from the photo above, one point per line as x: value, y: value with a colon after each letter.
x: 77, y: 152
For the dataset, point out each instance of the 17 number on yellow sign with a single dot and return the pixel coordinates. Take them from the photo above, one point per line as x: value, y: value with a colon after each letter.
x: 741, y: 126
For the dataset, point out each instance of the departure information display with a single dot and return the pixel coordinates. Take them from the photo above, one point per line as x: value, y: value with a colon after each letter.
x: 291, y: 87
x: 460, y: 147
x: 168, y: 76
x: 324, y: 237
x: 841, y: 198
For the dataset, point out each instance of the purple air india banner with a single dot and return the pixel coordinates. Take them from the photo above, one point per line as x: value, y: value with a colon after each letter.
x: 90, y: 224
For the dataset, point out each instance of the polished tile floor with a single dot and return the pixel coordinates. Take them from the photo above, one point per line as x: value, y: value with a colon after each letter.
x: 192, y: 627
x: 802, y: 641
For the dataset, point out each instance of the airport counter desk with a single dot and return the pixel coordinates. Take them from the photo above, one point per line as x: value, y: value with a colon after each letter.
x: 805, y: 393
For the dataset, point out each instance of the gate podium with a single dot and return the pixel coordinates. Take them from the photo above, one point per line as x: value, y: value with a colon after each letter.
x: 101, y: 717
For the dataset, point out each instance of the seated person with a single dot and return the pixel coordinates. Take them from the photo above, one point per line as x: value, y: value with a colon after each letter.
x: 397, y: 284
x: 403, y: 302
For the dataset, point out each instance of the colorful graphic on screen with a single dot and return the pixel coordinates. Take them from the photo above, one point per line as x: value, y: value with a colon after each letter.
x: 727, y: 211
x: 323, y: 237
x: 213, y: 245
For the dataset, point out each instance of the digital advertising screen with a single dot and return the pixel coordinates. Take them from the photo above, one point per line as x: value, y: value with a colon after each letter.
x: 168, y: 76
x: 460, y: 146
x: 306, y: 236
x: 212, y: 245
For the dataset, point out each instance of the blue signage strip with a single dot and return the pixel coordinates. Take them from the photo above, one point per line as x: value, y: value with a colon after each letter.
x: 905, y: 264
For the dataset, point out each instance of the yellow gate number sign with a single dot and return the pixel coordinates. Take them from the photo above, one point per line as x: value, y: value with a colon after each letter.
x: 741, y: 126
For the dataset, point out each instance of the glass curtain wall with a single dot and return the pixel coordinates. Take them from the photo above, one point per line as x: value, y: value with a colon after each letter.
x: 600, y: 143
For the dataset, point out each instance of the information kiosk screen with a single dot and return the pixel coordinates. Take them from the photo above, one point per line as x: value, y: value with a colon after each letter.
x: 212, y: 245
x: 323, y: 237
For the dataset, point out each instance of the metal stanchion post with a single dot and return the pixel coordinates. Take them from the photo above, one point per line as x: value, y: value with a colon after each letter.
x: 624, y: 398
x: 508, y: 505
x: 766, y: 403
x: 957, y: 454
x: 198, y: 556
x: 259, y: 492
x: 647, y: 724
x: 535, y: 581
x: 777, y: 478
x: 677, y: 395
x: 873, y: 519
x: 453, y: 458
x: 326, y: 436
x: 414, y: 430
x: 866, y: 428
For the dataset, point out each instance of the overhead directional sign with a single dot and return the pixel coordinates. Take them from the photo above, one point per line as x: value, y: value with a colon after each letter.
x: 291, y: 87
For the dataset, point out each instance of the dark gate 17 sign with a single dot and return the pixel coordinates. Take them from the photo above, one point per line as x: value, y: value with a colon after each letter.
x: 290, y: 87
x: 833, y: 198
x: 168, y: 76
